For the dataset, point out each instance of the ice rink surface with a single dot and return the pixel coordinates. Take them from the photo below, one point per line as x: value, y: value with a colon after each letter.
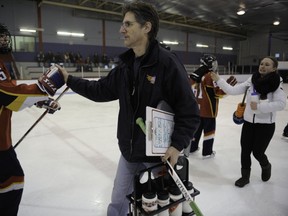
x: 70, y: 160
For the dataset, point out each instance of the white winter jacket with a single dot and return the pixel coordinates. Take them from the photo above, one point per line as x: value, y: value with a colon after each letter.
x: 266, y: 109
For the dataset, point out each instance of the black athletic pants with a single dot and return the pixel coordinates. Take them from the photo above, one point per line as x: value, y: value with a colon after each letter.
x: 208, y: 127
x: 9, y: 167
x: 9, y: 202
x: 255, y: 139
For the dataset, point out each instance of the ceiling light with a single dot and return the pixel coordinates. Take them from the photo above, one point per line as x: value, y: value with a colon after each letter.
x: 73, y: 34
x: 27, y: 30
x: 202, y: 45
x: 170, y: 42
x: 276, y: 22
x: 77, y: 34
x: 241, y: 12
x: 227, y: 48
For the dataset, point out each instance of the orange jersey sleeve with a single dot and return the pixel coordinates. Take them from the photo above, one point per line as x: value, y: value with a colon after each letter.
x: 14, y: 98
x: 17, y: 97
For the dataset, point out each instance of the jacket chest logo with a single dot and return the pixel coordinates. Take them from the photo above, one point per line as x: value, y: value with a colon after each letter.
x: 151, y: 79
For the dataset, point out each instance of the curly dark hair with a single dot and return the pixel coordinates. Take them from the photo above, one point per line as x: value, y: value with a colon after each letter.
x: 6, y: 44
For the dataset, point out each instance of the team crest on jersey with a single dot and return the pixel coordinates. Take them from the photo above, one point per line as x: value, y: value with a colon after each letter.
x: 151, y: 79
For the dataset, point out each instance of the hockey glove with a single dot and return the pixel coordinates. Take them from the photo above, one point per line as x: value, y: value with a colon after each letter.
x: 232, y: 81
x: 51, y: 105
x: 51, y: 81
x: 199, y: 73
x: 239, y: 113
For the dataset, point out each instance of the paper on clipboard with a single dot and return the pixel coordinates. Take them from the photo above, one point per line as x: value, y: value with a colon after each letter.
x: 159, y: 128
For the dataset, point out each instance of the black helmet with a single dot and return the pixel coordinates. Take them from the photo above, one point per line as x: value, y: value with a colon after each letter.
x: 5, y: 40
x: 210, y: 61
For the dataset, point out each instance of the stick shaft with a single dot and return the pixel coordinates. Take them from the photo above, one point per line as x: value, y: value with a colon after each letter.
x: 183, y: 190
x: 39, y: 119
x: 243, y: 100
x: 140, y: 122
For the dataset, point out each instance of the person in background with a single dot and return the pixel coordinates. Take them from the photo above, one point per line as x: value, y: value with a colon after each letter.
x: 105, y: 60
x: 66, y: 58
x: 96, y: 59
x: 265, y: 96
x: 145, y: 75
x: 40, y: 59
x: 207, y: 94
x: 14, y: 98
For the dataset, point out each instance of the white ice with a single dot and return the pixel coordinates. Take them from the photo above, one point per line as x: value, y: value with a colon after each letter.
x: 70, y: 159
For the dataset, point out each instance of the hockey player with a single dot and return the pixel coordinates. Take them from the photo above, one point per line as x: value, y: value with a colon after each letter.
x: 207, y: 94
x: 14, y: 98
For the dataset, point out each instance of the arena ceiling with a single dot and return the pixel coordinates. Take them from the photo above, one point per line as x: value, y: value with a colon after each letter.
x: 199, y: 16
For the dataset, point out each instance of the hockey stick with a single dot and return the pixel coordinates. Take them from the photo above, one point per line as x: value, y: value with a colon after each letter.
x: 175, y: 177
x: 140, y: 122
x: 238, y: 114
x: 183, y: 190
x: 39, y: 119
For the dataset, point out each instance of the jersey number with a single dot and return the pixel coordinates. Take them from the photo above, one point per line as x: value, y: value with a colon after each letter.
x: 198, y: 91
x: 2, y: 76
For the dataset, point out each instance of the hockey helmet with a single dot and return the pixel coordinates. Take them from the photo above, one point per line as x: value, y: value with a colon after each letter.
x: 5, y: 40
x: 210, y: 61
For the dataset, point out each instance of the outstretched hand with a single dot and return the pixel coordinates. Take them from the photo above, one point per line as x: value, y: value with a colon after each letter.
x: 50, y: 81
x: 215, y: 77
x: 172, y: 154
x: 63, y: 71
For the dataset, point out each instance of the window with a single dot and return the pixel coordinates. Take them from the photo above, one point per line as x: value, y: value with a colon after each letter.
x: 23, y: 43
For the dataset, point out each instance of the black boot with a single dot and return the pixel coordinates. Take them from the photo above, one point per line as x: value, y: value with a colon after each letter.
x: 244, y: 179
x: 266, y: 172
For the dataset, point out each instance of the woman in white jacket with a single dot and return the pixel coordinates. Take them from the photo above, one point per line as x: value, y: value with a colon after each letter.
x: 265, y: 96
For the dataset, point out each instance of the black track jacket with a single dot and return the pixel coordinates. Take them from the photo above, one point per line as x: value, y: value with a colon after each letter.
x: 161, y: 77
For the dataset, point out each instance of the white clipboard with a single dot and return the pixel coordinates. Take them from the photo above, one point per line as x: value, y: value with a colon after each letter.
x: 159, y: 128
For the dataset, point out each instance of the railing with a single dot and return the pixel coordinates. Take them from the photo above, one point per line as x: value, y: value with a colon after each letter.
x: 226, y: 70
x: 31, y: 70
x: 97, y: 72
